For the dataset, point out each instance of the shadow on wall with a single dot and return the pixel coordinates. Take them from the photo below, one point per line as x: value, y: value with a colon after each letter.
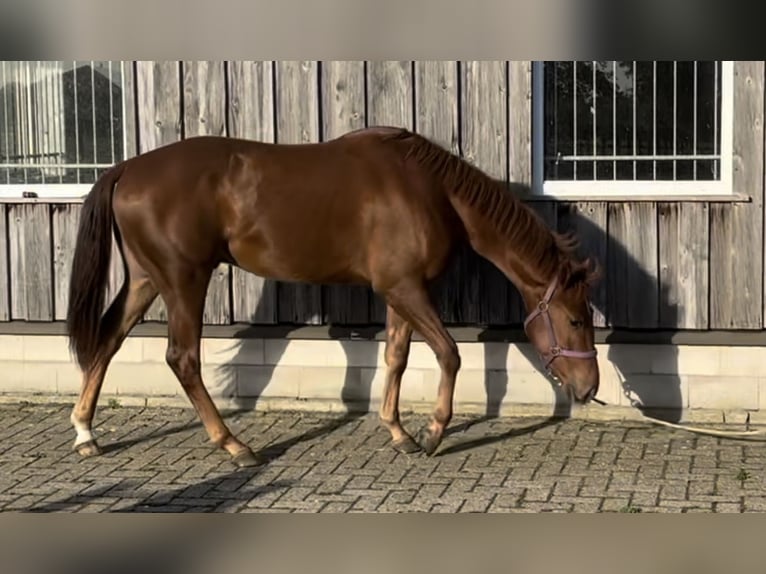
x: 245, y: 385
x: 657, y: 396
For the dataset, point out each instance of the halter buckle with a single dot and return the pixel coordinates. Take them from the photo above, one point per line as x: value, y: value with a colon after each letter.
x: 555, y: 351
x: 542, y: 306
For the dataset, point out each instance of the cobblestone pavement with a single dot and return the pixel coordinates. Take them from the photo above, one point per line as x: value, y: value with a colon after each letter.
x: 157, y: 459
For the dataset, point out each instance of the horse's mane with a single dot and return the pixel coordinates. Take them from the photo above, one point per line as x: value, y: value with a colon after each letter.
x: 543, y: 250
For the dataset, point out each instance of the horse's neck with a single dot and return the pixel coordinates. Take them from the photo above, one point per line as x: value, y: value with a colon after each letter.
x: 490, y: 242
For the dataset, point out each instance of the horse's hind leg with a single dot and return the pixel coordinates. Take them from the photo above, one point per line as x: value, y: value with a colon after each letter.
x: 134, y: 298
x: 185, y: 300
x: 398, y: 336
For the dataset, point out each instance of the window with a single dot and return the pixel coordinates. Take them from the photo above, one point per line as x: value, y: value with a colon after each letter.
x: 61, y: 125
x: 639, y: 128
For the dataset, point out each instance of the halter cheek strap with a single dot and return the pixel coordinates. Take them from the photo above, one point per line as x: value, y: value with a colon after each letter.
x: 554, y: 349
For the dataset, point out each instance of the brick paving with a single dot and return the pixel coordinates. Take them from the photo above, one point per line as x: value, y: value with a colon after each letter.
x: 157, y: 460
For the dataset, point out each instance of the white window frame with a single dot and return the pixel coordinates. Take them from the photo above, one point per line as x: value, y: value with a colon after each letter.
x: 618, y: 189
x: 65, y: 191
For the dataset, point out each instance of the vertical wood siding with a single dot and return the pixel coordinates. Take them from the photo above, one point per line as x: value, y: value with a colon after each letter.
x: 668, y: 265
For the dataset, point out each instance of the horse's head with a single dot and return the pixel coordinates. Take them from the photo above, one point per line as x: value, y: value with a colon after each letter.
x: 560, y: 326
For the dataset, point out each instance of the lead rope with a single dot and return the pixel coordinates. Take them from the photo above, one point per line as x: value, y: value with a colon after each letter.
x: 699, y: 430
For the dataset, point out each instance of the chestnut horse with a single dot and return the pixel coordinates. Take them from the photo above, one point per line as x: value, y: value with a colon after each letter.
x: 380, y: 206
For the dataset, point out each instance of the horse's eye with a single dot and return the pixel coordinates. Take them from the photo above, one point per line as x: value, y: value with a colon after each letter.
x: 576, y: 323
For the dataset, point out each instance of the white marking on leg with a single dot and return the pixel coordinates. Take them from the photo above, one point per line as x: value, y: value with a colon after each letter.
x: 83, y: 435
x: 83, y: 432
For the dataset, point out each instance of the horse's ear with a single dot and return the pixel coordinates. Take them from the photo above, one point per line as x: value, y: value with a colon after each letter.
x: 596, y: 272
x: 587, y: 272
x: 571, y: 273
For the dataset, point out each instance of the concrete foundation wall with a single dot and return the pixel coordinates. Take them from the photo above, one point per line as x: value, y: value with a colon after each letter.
x: 690, y: 382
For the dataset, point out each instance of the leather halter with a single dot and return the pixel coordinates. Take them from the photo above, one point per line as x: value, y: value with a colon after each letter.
x: 555, y: 350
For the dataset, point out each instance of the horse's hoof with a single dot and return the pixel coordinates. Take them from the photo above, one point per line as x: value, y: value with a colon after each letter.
x: 406, y: 445
x: 428, y: 440
x: 88, y: 449
x: 246, y: 459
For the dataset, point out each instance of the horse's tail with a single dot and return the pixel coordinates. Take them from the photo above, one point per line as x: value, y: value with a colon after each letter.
x: 90, y: 268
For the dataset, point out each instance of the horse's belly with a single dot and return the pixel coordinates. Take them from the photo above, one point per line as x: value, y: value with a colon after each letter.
x: 308, y: 262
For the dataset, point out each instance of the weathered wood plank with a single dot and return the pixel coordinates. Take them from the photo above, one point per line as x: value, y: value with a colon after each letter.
x: 589, y: 221
x: 520, y: 121
x: 683, y: 263
x: 130, y: 121
x: 159, y: 103
x: 297, y: 111
x: 483, y: 293
x: 389, y: 94
x: 204, y: 108
x: 485, y: 116
x: 437, y: 118
x: 5, y: 295
x: 343, y: 110
x: 390, y: 86
x: 159, y: 123
x: 736, y: 230
x: 436, y: 103
x: 29, y: 231
x: 66, y: 218
x: 204, y: 101
x: 519, y: 151
x: 251, y: 100
x: 251, y: 116
x: 632, y: 265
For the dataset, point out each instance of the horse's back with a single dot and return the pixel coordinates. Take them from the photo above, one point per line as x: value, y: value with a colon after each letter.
x: 314, y: 212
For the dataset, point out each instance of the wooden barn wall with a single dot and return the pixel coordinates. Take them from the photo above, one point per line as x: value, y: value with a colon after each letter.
x: 669, y: 265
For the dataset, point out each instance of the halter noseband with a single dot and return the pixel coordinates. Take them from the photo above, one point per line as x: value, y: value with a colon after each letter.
x: 555, y: 350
